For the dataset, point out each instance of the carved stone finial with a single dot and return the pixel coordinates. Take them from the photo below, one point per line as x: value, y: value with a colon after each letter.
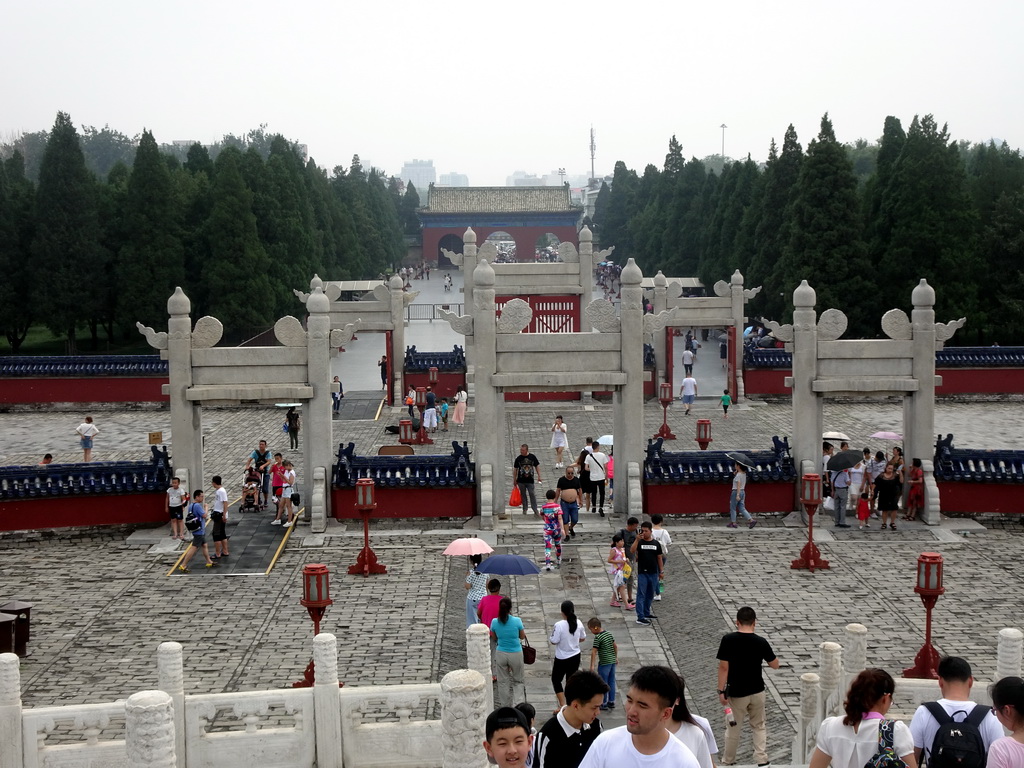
x: 396, y: 283
x: 737, y: 278
x: 458, y: 259
x: 179, y: 304
x: 409, y: 297
x: 149, y: 730
x: 515, y: 316
x: 923, y: 295
x: 459, y: 323
x: 896, y: 325
x: 300, y: 295
x: 289, y: 331
x: 483, y: 275
x: 831, y: 325
x: 207, y: 332
x: 586, y: 236
x: 631, y: 274
x: 342, y: 336
x: 154, y: 339
x: 488, y: 251
x: 779, y: 331
x: 567, y: 253
x: 749, y: 293
x: 601, y: 316
x: 659, y: 280
x: 383, y: 292
x: 332, y: 291
x: 315, y: 283
x: 804, y: 296
x: 654, y: 323
x: 944, y: 331
x: 722, y: 288
x: 603, y: 254
x: 318, y: 303
x: 469, y: 236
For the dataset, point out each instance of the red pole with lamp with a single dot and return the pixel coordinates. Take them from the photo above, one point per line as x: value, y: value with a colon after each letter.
x: 704, y: 433
x: 316, y: 598
x: 665, y: 397
x: 810, y: 497
x: 366, y: 563
x: 929, y: 587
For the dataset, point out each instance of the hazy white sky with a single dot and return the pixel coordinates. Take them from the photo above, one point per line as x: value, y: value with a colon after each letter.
x: 487, y: 88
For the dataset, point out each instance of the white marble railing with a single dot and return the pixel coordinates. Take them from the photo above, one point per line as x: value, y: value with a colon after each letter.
x: 424, y: 725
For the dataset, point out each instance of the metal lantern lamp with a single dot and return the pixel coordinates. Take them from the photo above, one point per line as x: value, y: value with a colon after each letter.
x: 366, y: 563
x: 316, y: 598
x: 665, y: 396
x: 929, y: 587
x: 405, y: 435
x: 704, y: 433
x: 432, y: 375
x: 810, y: 497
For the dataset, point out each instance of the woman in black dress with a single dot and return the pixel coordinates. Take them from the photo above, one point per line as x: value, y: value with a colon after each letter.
x: 888, y: 487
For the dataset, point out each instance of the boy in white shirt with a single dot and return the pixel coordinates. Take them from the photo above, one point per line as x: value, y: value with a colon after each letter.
x: 662, y: 537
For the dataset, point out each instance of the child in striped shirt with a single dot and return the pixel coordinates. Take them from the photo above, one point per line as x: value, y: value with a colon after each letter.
x: 605, y: 652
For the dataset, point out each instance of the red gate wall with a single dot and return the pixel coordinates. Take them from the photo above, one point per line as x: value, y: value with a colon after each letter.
x: 407, y: 502
x: 81, y: 511
x: 551, y: 314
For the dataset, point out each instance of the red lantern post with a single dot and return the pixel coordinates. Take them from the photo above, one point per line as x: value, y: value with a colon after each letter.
x: 421, y: 403
x: 665, y: 397
x: 704, y: 433
x: 929, y: 587
x: 810, y: 497
x: 316, y: 598
x: 432, y: 376
x: 366, y: 563
x: 405, y: 435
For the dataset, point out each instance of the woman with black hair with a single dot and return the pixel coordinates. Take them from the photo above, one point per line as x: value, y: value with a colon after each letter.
x: 1008, y: 707
x: 566, y: 637
x: 508, y: 655
x: 685, y: 727
x: 851, y: 741
x: 476, y: 584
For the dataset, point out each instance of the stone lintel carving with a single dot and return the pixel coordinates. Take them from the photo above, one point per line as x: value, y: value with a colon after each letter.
x: 749, y: 293
x: 154, y: 339
x: 896, y: 325
x: 341, y: 336
x: 654, y: 323
x: 944, y: 331
x: 207, y: 332
x: 409, y: 297
x: 723, y: 288
x: 831, y: 325
x: 459, y: 323
x: 603, y: 254
x: 515, y: 316
x: 332, y: 291
x: 300, y: 295
x: 289, y: 331
x: 568, y: 254
x: 382, y: 293
x: 601, y: 315
x: 780, y: 331
x: 488, y: 252
x: 455, y: 258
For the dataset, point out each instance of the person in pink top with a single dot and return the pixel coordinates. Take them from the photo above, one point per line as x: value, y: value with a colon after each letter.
x: 609, y: 469
x: 1008, y: 707
x: 487, y: 610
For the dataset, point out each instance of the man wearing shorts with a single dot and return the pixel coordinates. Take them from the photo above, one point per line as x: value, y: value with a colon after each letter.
x: 198, y: 535
x: 174, y: 505
x: 220, y: 519
x: 277, y: 482
x: 568, y: 490
x: 688, y: 391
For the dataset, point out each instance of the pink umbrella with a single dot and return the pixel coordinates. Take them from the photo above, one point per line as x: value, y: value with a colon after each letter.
x: 887, y: 436
x: 468, y: 547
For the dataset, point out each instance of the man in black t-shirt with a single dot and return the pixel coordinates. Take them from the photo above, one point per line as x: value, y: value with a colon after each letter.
x: 741, y: 685
x: 525, y: 468
x: 650, y: 568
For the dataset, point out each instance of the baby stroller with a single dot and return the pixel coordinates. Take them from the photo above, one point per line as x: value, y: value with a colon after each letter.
x: 251, y: 488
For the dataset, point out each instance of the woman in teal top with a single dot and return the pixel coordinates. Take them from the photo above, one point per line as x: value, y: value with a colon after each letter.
x: 508, y: 658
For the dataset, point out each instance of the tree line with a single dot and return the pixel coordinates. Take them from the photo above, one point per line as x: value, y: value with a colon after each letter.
x: 88, y: 254
x: 861, y: 223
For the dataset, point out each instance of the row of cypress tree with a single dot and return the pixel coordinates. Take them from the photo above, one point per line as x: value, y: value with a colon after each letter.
x: 862, y: 224
x: 91, y: 256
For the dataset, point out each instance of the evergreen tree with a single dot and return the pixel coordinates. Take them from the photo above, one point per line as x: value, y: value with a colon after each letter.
x: 601, y: 207
x: 198, y: 160
x: 237, y: 274
x: 410, y: 202
x: 877, y: 229
x: 824, y: 226
x: 648, y: 222
x: 67, y: 239
x: 993, y: 171
x: 1003, y: 249
x: 621, y: 205
x: 681, y: 239
x: 20, y: 278
x: 109, y: 305
x: 151, y: 260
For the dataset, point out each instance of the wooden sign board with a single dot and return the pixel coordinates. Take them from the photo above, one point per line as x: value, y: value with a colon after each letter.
x: 156, y: 438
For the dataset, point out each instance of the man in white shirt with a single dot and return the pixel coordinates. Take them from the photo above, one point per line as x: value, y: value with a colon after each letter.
x: 596, y: 462
x: 643, y: 740
x: 955, y: 681
x: 689, y: 392
x: 688, y: 362
x: 219, y: 516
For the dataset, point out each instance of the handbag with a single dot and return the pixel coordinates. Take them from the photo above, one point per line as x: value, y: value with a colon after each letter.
x: 296, y: 499
x: 529, y: 653
x: 516, y: 498
x: 829, y: 504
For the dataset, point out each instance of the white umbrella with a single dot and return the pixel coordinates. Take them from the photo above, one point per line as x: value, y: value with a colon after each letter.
x: 834, y: 436
x: 606, y: 440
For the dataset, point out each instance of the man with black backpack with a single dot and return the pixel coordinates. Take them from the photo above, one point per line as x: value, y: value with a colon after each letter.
x: 954, y: 732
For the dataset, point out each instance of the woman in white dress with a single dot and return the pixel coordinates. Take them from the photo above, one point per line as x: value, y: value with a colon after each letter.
x: 459, y: 417
x: 851, y: 741
x: 559, y: 439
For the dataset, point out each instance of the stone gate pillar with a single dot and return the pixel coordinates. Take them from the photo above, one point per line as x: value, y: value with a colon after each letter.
x: 149, y: 730
x: 469, y: 262
x: 661, y: 332
x: 397, y: 288
x: 186, y: 416
x: 807, y: 414
x: 586, y: 252
x: 318, y: 423
x: 738, y: 318
x: 170, y: 667
x: 10, y: 711
x: 629, y: 399
x: 490, y: 403
x: 919, y: 406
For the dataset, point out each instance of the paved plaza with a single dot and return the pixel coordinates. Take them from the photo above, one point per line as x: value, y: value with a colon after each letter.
x: 103, y: 601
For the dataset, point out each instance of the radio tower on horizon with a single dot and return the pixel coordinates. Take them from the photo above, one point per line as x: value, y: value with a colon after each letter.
x: 593, y: 152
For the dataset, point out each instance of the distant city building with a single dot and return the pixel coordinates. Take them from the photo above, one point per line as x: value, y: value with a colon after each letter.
x: 454, y: 179
x: 419, y: 173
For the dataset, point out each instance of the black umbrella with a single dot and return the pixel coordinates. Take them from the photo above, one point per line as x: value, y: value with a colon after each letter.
x: 740, y: 458
x: 844, y: 460
x: 508, y: 565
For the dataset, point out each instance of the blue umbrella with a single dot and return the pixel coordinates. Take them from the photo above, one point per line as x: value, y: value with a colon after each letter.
x: 508, y: 565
